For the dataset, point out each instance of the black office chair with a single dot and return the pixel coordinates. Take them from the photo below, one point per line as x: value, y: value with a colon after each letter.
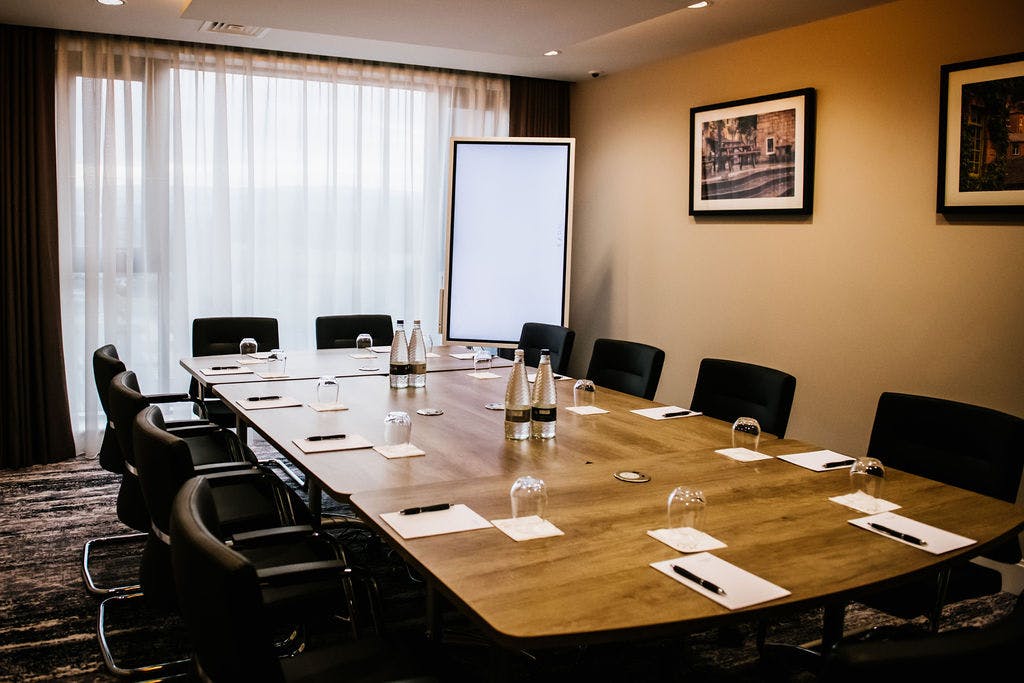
x: 537, y: 336
x: 728, y: 389
x: 230, y: 599
x: 960, y: 654
x: 962, y: 445
x: 340, y: 331
x: 221, y: 336
x: 164, y: 461
x: 626, y: 366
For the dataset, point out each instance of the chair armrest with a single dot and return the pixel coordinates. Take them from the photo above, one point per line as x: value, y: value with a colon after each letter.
x: 303, y: 571
x: 223, y: 467
x: 245, y: 539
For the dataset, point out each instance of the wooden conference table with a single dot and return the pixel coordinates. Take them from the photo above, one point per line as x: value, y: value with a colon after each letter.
x: 594, y: 583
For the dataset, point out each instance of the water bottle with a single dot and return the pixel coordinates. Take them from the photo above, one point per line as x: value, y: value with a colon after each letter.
x: 417, y: 357
x: 399, y: 370
x: 543, y: 402
x: 517, y: 401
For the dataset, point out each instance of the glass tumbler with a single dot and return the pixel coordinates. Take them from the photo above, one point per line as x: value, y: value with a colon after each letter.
x: 397, y: 428
x: 746, y: 433
x: 482, y: 361
x: 687, y: 508
x: 364, y: 341
x: 247, y: 346
x: 328, y: 390
x: 867, y: 475
x: 277, y: 362
x: 529, y: 497
x: 584, y: 393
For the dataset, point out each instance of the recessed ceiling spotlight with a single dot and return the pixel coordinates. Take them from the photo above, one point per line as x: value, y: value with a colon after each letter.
x: 552, y: 53
x: 111, y: 2
x: 699, y: 5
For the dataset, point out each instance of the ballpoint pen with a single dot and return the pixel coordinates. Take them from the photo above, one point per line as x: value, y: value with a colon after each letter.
x: 838, y: 463
x: 703, y: 583
x: 325, y: 437
x: 677, y: 413
x: 224, y: 367
x: 425, y: 508
x: 897, y: 534
x: 262, y: 398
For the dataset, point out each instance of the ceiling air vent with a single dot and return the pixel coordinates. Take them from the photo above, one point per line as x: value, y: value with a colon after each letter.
x: 232, y: 29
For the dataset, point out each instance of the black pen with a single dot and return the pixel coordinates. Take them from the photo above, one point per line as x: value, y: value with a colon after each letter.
x: 224, y: 367
x: 677, y: 413
x: 703, y: 583
x: 426, y: 508
x: 897, y: 534
x: 837, y: 463
x: 325, y: 437
x: 262, y: 398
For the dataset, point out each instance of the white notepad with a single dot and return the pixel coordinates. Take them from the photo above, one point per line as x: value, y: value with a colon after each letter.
x: 363, y: 355
x: 819, y: 461
x: 272, y: 375
x: 659, y: 412
x: 936, y: 541
x: 586, y: 410
x: 349, y: 443
x: 742, y: 454
x: 281, y: 402
x: 742, y: 589
x: 462, y: 356
x: 210, y: 372
x: 454, y: 519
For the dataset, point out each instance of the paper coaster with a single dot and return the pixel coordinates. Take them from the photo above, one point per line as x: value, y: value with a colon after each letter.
x: 363, y: 355
x: 586, y: 410
x: 264, y: 355
x: 742, y: 454
x: 483, y: 375
x: 327, y: 407
x: 350, y: 442
x: 402, y: 450
x: 686, y: 539
x: 251, y: 361
x: 381, y: 349
x: 862, y: 502
x: 527, y: 528
x: 272, y: 375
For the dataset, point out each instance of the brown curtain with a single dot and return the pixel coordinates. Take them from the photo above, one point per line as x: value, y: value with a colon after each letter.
x: 538, y: 108
x: 35, y: 425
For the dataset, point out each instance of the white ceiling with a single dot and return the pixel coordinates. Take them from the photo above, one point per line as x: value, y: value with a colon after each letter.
x: 497, y: 36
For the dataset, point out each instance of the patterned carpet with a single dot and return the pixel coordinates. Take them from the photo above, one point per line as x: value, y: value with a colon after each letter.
x: 47, y: 619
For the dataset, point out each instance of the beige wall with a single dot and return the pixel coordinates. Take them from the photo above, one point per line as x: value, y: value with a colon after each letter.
x: 874, y: 292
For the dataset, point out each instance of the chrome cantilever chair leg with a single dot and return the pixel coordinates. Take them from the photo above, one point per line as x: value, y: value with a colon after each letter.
x: 284, y: 468
x: 90, y: 583
x: 161, y: 671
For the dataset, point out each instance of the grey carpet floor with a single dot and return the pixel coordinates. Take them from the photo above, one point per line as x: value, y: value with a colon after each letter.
x: 47, y: 619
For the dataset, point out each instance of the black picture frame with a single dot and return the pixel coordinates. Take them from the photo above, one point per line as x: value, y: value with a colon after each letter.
x: 753, y: 156
x: 981, y: 136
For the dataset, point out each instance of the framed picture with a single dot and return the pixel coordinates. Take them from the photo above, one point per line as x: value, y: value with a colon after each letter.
x: 753, y: 156
x: 981, y: 136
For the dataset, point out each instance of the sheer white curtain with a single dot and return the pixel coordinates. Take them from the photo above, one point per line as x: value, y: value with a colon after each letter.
x: 199, y: 181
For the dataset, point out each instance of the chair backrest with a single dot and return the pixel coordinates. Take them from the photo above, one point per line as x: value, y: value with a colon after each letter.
x: 164, y: 464
x: 728, y: 389
x: 105, y: 366
x: 626, y: 366
x: 126, y: 402
x: 219, y: 336
x: 964, y: 445
x: 536, y: 336
x: 218, y: 594
x: 340, y: 331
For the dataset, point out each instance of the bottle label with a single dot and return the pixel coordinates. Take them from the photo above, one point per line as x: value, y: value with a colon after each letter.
x: 417, y: 368
x: 517, y: 414
x: 399, y: 368
x: 544, y: 414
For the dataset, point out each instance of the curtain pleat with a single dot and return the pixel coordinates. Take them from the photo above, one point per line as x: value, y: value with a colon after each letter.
x: 35, y: 425
x: 538, y: 108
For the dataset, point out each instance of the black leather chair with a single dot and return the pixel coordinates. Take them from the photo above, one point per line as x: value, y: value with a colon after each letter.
x: 106, y: 364
x: 728, y: 389
x: 537, y: 336
x: 964, y: 445
x: 221, y: 336
x: 340, y: 331
x: 626, y: 366
x: 164, y: 462
x: 961, y: 654
x: 231, y: 598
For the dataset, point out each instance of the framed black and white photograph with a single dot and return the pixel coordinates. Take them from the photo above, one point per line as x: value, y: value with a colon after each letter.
x: 753, y: 156
x: 981, y: 136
